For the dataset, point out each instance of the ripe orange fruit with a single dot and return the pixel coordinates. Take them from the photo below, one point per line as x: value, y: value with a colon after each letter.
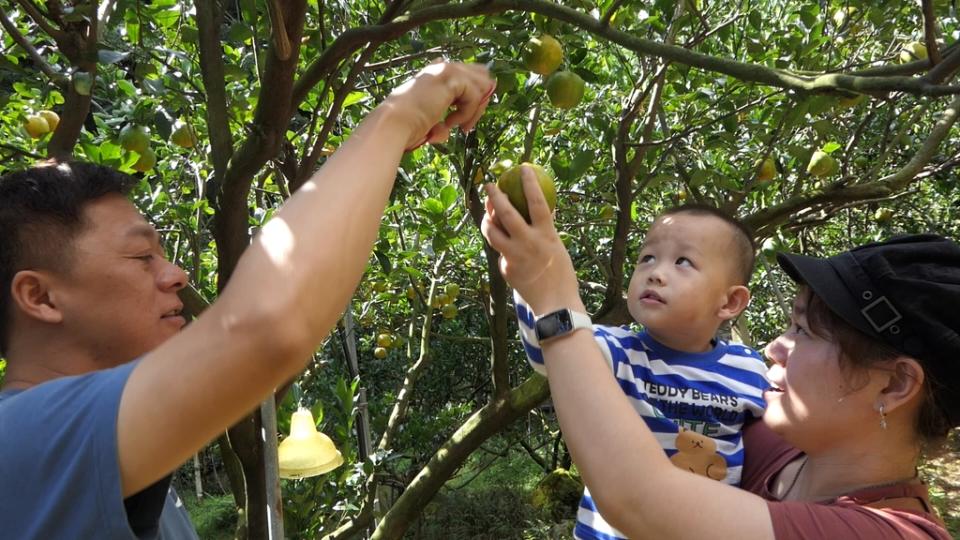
x: 542, y: 54
x: 36, y: 126
x: 52, y: 118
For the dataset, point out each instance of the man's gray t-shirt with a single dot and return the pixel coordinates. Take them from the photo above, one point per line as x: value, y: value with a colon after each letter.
x: 59, y: 470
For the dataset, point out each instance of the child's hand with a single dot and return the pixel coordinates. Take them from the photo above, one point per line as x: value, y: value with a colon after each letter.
x: 532, y: 257
x: 422, y: 101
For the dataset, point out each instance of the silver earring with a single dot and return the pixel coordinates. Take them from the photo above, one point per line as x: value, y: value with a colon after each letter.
x: 883, y: 418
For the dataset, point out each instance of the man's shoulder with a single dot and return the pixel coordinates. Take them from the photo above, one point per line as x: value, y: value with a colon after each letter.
x: 84, y: 386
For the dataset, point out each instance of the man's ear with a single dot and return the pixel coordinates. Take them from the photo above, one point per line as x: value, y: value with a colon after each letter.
x: 737, y: 299
x: 30, y: 290
x: 905, y: 381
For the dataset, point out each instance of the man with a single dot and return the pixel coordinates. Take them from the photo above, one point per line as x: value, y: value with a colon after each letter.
x: 104, y: 395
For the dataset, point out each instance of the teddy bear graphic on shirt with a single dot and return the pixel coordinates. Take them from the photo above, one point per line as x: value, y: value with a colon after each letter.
x: 697, y: 453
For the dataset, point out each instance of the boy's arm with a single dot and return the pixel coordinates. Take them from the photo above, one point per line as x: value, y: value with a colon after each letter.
x: 290, y: 286
x: 531, y: 346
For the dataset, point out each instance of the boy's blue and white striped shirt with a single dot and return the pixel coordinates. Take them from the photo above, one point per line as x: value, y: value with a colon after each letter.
x: 712, y: 393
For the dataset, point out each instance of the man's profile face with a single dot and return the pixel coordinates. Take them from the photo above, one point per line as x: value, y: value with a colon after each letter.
x: 119, y: 295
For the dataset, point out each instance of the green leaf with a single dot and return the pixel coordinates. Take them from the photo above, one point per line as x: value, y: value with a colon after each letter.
x: 581, y: 163
x: 831, y: 147
x: 355, y: 97
x: 448, y: 195
x: 433, y: 206
x: 106, y: 56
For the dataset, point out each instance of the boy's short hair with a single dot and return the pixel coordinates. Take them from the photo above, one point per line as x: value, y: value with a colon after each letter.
x: 41, y: 213
x: 744, y: 245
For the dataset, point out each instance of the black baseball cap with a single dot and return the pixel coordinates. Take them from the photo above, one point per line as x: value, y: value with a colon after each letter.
x: 904, y: 292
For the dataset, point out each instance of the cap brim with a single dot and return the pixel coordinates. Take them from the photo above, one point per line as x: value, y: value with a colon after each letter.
x: 825, y: 282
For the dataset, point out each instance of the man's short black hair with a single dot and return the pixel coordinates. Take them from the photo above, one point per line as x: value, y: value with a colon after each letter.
x: 41, y: 213
x: 744, y: 245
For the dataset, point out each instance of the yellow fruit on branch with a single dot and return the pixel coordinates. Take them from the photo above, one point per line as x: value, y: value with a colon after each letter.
x: 134, y: 138
x: 883, y: 215
x: 380, y: 353
x: 52, y: 118
x: 148, y: 158
x: 385, y: 341
x: 849, y: 102
x: 184, y: 136
x: 36, y: 126
x: 565, y: 89
x: 821, y: 164
x: 542, y: 54
x: 449, y: 311
x: 511, y: 184
x: 452, y: 290
x: 767, y: 170
x: 915, y: 50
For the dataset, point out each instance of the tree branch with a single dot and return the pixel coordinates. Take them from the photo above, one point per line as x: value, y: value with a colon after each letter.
x: 930, y: 32
x: 944, y: 69
x: 21, y: 40
x: 41, y: 20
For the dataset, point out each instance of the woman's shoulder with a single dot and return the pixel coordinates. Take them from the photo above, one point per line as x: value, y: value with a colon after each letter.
x: 899, y: 511
x: 874, y: 517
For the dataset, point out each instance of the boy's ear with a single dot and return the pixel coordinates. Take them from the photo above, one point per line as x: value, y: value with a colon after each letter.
x: 30, y: 291
x: 738, y: 297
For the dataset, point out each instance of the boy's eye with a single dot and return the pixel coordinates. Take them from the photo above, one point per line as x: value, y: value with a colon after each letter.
x: 683, y: 261
x: 646, y: 258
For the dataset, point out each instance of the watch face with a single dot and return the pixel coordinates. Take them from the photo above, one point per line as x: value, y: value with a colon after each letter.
x: 554, y: 324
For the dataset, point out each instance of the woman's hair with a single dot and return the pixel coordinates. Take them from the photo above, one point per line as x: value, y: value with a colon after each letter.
x: 859, y: 351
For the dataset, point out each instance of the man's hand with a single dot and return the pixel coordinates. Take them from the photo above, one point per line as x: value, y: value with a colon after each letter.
x: 421, y: 104
x: 532, y: 257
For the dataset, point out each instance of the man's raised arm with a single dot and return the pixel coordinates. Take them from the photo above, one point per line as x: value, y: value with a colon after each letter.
x: 290, y: 286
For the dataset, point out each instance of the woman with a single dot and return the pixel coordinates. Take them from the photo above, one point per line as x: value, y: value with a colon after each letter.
x: 866, y: 374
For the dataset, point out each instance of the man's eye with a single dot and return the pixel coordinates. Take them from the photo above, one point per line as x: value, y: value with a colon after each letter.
x: 145, y: 258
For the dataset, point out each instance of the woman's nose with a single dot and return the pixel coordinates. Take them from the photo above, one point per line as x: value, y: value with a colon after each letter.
x: 776, y: 351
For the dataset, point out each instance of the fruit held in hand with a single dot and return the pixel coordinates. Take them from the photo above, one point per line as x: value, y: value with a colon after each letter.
x: 565, y: 89
x: 511, y: 184
x: 36, y: 126
x: 767, y: 171
x: 52, y: 118
x: 542, y: 54
x: 134, y: 138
